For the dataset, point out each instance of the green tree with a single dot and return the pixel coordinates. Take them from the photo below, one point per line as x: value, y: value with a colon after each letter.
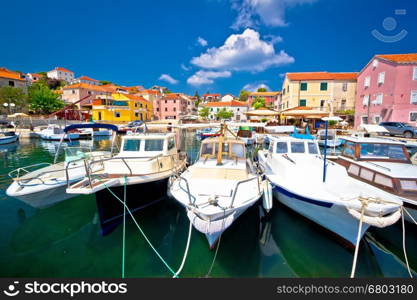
x: 103, y: 82
x: 197, y: 96
x: 12, y: 95
x: 258, y: 103
x: 243, y: 96
x: 262, y: 90
x: 224, y: 114
x: 43, y: 100
x: 204, y: 112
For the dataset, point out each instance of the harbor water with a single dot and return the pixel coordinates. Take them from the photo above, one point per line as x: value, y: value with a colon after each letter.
x: 64, y: 240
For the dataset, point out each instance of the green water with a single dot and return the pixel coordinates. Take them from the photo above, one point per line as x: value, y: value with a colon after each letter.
x: 64, y: 240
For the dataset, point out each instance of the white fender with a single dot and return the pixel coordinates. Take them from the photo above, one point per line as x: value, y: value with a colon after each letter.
x: 380, y: 222
x: 267, y: 196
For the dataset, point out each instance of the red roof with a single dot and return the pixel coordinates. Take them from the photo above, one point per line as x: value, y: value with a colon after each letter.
x: 63, y: 70
x: 4, y: 73
x: 87, y: 78
x: 322, y: 76
x: 212, y: 95
x: 225, y: 104
x: 136, y: 98
x: 88, y: 87
x: 399, y: 58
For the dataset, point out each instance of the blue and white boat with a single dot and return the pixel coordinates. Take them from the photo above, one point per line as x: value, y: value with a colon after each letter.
x: 327, y: 196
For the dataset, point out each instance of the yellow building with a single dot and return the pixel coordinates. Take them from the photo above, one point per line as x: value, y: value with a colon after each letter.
x: 120, y: 107
x: 318, y: 90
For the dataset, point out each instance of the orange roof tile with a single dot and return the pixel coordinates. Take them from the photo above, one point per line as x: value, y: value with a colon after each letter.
x: 225, y: 104
x: 399, y: 58
x: 88, y: 87
x: 4, y: 73
x: 322, y: 76
x: 265, y: 93
x: 87, y: 78
x: 213, y: 95
x: 136, y: 98
x: 63, y: 70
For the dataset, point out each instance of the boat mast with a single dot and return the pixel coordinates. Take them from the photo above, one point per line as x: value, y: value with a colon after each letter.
x: 221, y: 140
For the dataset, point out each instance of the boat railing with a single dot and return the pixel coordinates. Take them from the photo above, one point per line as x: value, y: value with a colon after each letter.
x: 257, y: 178
x: 88, y: 165
x: 17, y: 174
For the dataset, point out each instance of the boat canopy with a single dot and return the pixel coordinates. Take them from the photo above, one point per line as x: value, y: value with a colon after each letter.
x: 91, y: 125
x: 306, y: 136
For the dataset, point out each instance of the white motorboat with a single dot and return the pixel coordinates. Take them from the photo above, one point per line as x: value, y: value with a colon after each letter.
x: 332, y: 139
x: 384, y: 164
x: 139, y: 173
x: 98, y: 131
x: 55, y: 133
x: 44, y: 184
x: 327, y: 196
x: 219, y: 187
x: 8, y: 137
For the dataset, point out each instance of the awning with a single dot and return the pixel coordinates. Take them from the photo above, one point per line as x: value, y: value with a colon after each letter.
x: 262, y: 112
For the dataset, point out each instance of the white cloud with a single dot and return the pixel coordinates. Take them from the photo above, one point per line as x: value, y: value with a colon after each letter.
x: 252, y: 13
x: 168, y: 78
x: 243, y: 52
x: 206, y: 77
x: 185, y: 68
x: 253, y: 87
x: 202, y: 41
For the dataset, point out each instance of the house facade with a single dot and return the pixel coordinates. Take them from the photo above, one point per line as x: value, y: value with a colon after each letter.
x: 33, y: 77
x: 121, y: 108
x: 155, y: 98
x: 271, y: 98
x: 12, y: 79
x: 61, y: 74
x: 238, y: 108
x: 87, y: 80
x: 319, y: 90
x: 172, y: 106
x: 210, y: 97
x: 387, y: 90
x: 88, y: 92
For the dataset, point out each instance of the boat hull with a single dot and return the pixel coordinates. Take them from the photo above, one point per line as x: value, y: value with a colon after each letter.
x: 138, y: 196
x: 332, y: 217
x: 8, y: 139
x: 41, y: 199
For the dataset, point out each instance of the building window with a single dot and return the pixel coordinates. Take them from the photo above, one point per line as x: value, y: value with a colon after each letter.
x: 166, y: 108
x: 364, y: 120
x: 343, y: 104
x: 381, y: 78
x: 379, y: 98
x: 345, y: 86
x: 413, y: 116
x: 175, y: 109
x: 136, y: 114
x: 89, y: 92
x: 415, y: 73
x: 238, y: 109
x: 365, y: 100
x: 303, y: 102
x: 322, y: 102
x: 377, y: 119
x: 11, y: 83
x: 117, y: 114
x: 413, y: 98
x: 73, y: 91
x: 157, y: 109
x: 323, y: 86
x: 375, y: 63
x: 166, y: 101
x: 175, y: 101
x: 303, y: 86
x: 367, y: 82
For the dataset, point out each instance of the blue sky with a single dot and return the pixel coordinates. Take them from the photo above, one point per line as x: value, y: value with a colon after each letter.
x: 204, y: 45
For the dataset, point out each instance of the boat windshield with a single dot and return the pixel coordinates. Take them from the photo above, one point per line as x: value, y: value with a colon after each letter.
x: 154, y: 145
x: 296, y: 147
x: 229, y: 150
x: 131, y: 145
x: 382, y: 151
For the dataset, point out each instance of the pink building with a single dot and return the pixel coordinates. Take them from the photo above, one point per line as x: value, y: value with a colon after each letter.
x: 172, y: 106
x: 271, y: 98
x: 387, y: 90
x: 88, y: 92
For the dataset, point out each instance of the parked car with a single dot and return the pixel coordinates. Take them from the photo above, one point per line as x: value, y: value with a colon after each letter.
x: 400, y: 128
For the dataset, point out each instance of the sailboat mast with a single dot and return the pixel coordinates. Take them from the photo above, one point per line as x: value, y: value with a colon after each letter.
x: 220, y: 148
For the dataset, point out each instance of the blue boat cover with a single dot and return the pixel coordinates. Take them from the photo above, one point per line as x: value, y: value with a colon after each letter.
x: 91, y: 125
x: 306, y: 136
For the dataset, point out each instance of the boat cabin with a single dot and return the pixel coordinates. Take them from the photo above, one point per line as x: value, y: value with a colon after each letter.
x: 382, y: 163
x: 292, y: 145
x: 232, y: 149
x: 148, y: 145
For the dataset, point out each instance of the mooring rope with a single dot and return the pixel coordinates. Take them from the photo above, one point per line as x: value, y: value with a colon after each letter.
x: 404, y: 248
x: 358, y: 240
x: 124, y: 229
x: 140, y: 229
x: 218, y: 244
x: 190, y: 229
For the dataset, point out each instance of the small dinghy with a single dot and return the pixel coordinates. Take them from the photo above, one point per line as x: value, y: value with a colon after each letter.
x: 8, y: 137
x: 219, y: 187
